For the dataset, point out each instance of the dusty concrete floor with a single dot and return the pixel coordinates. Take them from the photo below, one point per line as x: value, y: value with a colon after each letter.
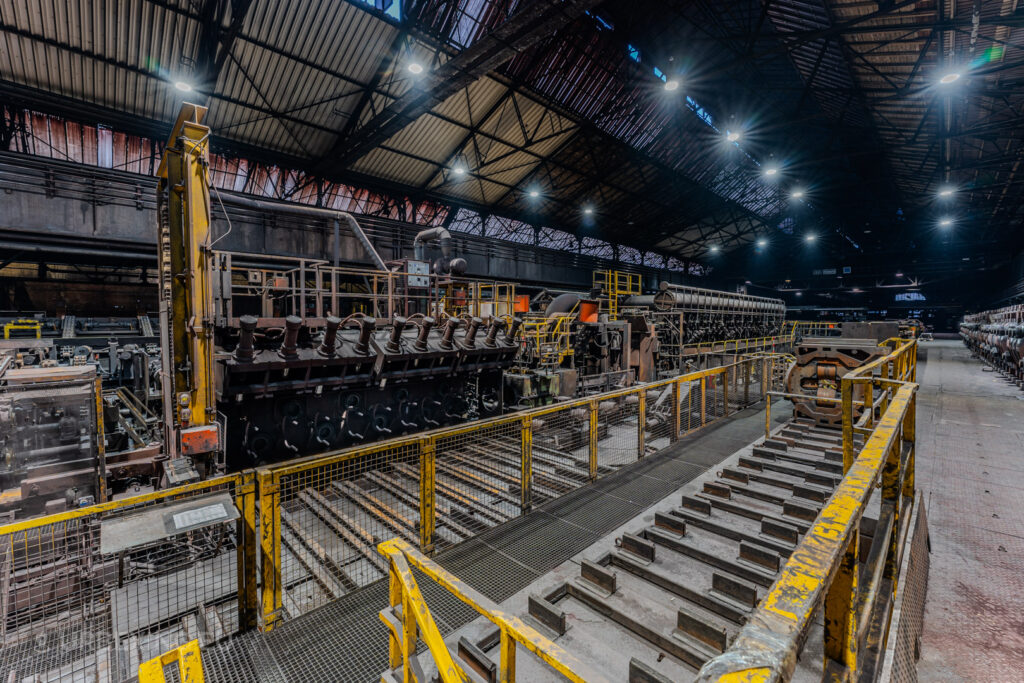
x: 970, y: 469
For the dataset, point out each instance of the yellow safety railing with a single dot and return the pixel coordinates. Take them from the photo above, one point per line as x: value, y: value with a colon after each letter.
x: 737, y: 346
x: 811, y: 328
x: 546, y: 340
x: 409, y: 622
x: 436, y: 489
x: 61, y: 576
x: 27, y: 324
x: 615, y: 284
x: 187, y: 657
x: 827, y: 567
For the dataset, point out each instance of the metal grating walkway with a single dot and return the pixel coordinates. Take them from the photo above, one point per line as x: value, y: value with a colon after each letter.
x: 345, y: 640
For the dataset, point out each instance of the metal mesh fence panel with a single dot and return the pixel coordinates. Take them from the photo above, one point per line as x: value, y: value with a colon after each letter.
x: 561, y: 453
x: 617, y: 435
x: 87, y: 599
x: 659, y: 417
x: 334, y: 514
x: 689, y: 406
x: 478, y: 479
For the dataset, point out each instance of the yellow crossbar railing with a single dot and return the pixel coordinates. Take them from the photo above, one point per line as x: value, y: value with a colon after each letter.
x: 408, y: 619
x: 825, y: 568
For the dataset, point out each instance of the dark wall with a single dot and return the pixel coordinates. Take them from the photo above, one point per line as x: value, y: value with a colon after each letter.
x: 56, y: 212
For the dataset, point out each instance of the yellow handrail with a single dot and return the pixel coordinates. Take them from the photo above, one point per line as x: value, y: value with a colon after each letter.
x: 190, y: 665
x: 824, y: 566
x: 514, y: 631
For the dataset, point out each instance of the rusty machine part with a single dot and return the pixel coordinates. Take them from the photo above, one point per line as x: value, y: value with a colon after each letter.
x: 820, y: 364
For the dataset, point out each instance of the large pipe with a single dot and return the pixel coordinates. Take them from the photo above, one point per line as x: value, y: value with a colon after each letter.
x: 245, y: 351
x: 290, y: 345
x: 444, y: 240
x: 302, y: 210
x: 421, y: 341
x: 327, y: 346
x: 394, y: 343
x: 563, y: 303
x: 497, y: 324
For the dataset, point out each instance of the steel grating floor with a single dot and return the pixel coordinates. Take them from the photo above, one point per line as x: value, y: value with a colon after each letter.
x: 345, y: 640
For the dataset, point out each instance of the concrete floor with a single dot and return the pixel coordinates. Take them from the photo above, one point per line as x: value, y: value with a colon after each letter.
x: 970, y: 469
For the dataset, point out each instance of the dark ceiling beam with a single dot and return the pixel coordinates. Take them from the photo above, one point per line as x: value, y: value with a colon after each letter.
x: 529, y: 24
x: 215, y: 40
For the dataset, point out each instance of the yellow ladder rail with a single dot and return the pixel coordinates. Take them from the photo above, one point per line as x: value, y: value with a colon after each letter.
x: 190, y: 665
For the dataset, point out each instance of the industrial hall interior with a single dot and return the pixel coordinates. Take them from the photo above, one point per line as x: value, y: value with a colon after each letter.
x: 497, y: 341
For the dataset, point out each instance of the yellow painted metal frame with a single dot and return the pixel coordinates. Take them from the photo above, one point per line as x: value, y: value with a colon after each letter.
x: 188, y: 658
x: 244, y: 491
x: 415, y: 623
x: 824, y: 566
x: 185, y: 268
x: 615, y: 284
x: 23, y: 324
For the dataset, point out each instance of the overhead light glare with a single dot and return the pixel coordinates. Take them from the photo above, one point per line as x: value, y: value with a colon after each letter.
x: 811, y: 237
x: 762, y: 243
x: 671, y: 84
x: 534, y: 193
x: 732, y: 136
x: 797, y: 194
x: 415, y: 68
x: 183, y: 86
x: 588, y: 210
x: 951, y: 77
x: 459, y: 170
x: 771, y: 170
x: 799, y: 293
x: 946, y: 221
x: 714, y: 248
x: 946, y: 192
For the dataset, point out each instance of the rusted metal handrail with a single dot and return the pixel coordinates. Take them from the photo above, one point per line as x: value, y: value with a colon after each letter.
x: 824, y: 566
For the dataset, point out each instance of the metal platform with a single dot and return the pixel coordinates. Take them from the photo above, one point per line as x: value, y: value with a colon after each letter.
x: 673, y: 585
x: 345, y: 641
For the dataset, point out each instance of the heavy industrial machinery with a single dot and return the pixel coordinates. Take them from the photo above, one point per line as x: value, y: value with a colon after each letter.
x: 298, y: 390
x: 689, y: 321
x: 271, y: 358
x: 997, y: 336
x: 571, y: 348
x: 75, y: 433
x: 821, y: 363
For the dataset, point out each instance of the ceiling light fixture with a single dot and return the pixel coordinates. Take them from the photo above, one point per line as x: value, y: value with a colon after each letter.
x: 811, y: 237
x: 762, y: 243
x: 771, y: 170
x: 183, y: 86
x: 415, y: 68
x: 732, y: 136
x: 714, y: 248
x: 671, y: 84
x: 534, y: 193
x: 459, y: 170
x: 946, y: 221
x: 951, y: 77
x: 946, y: 192
x: 797, y: 194
x: 588, y: 210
